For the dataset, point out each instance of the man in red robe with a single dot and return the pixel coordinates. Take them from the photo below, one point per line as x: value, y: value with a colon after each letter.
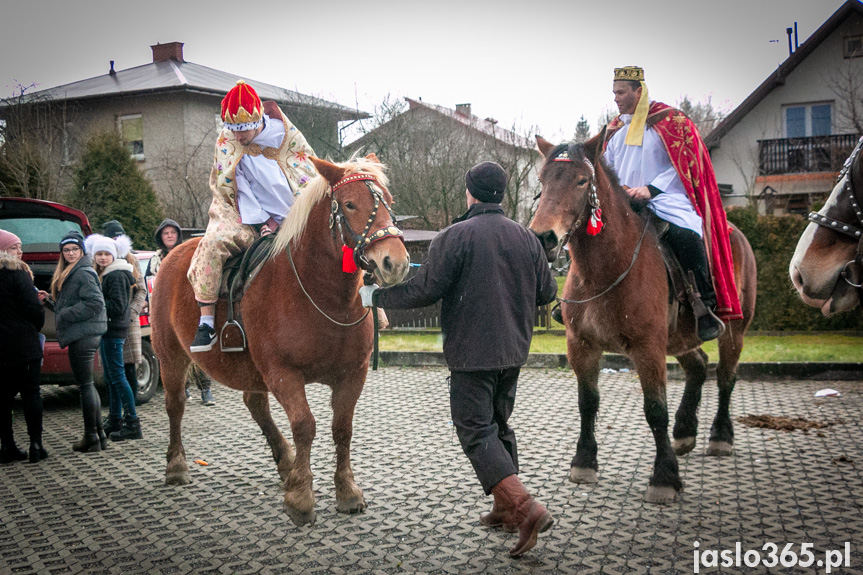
x: 660, y: 159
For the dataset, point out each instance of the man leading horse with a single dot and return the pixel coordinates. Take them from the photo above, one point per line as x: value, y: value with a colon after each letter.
x: 662, y: 161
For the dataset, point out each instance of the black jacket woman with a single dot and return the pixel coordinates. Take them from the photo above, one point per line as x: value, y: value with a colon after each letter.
x: 21, y: 318
x: 80, y: 318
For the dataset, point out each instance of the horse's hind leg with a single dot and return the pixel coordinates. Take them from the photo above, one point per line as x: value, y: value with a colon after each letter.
x: 349, y: 496
x: 174, y: 381
x: 665, y: 482
x: 289, y: 389
x: 258, y: 405
x: 586, y: 366
x: 722, y: 430
x: 694, y: 364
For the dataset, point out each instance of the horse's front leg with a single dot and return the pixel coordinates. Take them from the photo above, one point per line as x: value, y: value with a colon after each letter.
x: 665, y: 482
x: 694, y: 364
x: 289, y: 388
x: 585, y: 363
x: 722, y: 430
x: 346, y: 393
x: 259, y: 406
x: 174, y: 382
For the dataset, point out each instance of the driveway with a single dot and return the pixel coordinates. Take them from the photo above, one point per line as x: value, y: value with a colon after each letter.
x: 112, y: 513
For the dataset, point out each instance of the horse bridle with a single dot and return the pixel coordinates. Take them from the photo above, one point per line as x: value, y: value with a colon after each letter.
x: 339, y: 223
x: 854, y: 266
x: 593, y: 203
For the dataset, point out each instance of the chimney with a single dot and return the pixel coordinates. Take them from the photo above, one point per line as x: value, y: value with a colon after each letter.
x: 790, y: 47
x: 463, y: 109
x: 169, y: 51
x: 111, y: 71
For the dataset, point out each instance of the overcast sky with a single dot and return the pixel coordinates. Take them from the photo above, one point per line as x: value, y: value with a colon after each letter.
x: 532, y: 64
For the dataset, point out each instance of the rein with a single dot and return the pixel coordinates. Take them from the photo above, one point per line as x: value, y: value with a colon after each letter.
x: 596, y: 220
x: 362, y: 241
x: 621, y: 276
x: 847, y: 273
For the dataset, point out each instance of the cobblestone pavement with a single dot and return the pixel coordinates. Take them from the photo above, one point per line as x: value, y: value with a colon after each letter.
x: 112, y: 513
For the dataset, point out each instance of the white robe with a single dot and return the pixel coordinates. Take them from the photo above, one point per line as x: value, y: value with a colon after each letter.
x: 262, y: 188
x: 649, y: 164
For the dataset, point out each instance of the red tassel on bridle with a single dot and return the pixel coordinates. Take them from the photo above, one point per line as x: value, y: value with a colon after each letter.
x: 349, y: 266
x: 594, y: 225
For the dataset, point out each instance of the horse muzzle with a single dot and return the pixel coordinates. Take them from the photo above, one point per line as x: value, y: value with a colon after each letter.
x: 551, y: 244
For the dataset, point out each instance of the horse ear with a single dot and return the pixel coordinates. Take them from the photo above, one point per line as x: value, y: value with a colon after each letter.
x: 593, y: 147
x: 331, y: 172
x: 544, y: 145
x: 373, y: 158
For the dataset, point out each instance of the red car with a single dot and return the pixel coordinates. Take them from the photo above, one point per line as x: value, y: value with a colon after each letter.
x: 41, y: 225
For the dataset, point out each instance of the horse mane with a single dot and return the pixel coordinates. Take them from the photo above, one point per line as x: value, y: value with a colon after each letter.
x: 316, y: 190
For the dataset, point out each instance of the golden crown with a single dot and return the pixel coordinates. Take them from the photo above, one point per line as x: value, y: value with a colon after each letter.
x: 635, y: 73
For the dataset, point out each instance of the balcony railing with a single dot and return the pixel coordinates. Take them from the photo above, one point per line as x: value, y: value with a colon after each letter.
x: 804, y: 155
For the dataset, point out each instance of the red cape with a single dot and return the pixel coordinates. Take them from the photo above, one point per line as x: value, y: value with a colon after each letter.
x: 690, y: 158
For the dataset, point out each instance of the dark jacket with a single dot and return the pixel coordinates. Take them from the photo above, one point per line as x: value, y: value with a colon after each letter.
x: 80, y: 306
x: 117, y: 282
x: 21, y: 314
x: 491, y: 274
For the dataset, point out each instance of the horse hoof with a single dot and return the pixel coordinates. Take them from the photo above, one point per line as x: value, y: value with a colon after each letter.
x: 300, y: 518
x: 660, y: 494
x: 720, y: 448
x: 178, y: 478
x: 683, y: 445
x: 582, y: 475
x: 352, y: 505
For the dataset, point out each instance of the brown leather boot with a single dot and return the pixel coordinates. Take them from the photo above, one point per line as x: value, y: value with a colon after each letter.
x: 530, y: 516
x: 499, y: 516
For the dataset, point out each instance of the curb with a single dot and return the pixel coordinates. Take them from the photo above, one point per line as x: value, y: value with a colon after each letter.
x: 750, y: 371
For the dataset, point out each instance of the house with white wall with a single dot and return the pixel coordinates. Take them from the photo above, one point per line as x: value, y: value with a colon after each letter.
x: 784, y: 145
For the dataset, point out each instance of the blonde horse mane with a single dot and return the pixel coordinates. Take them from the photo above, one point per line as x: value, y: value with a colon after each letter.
x: 318, y: 188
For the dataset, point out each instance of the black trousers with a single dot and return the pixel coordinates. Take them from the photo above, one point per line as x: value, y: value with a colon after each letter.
x: 21, y: 378
x: 481, y: 403
x: 689, y: 249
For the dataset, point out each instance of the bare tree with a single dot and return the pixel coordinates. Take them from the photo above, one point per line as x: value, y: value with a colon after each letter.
x: 37, y: 142
x: 846, y: 83
x: 182, y: 173
x: 704, y: 114
x: 428, y: 154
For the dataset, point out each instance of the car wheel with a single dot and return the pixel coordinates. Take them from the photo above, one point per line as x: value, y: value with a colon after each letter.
x: 148, y: 374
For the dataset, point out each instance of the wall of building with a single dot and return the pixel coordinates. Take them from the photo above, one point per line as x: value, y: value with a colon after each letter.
x: 736, y: 159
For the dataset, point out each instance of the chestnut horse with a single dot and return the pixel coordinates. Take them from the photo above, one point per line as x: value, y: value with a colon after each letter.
x: 827, y: 267
x: 619, y: 302
x: 304, y: 321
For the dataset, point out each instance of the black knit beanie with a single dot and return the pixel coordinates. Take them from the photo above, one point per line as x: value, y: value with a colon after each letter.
x: 486, y: 182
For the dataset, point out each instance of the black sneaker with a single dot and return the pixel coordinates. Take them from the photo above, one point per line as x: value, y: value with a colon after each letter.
x: 204, y: 339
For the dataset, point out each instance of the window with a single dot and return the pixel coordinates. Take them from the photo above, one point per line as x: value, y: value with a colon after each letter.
x: 853, y: 47
x: 806, y: 120
x: 132, y: 133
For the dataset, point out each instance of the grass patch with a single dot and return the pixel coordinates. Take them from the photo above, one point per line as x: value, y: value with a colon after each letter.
x: 756, y: 348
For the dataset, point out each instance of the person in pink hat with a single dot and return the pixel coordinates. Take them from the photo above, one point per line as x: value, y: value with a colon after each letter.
x: 21, y: 318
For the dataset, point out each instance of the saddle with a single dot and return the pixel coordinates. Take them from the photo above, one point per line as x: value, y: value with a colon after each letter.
x: 237, y: 274
x: 681, y: 286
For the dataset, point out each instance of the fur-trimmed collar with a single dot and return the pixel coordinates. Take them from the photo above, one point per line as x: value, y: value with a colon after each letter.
x: 10, y: 262
x: 117, y: 264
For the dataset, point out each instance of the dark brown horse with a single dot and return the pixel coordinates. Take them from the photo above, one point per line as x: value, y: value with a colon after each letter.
x: 305, y: 323
x: 827, y: 267
x: 628, y: 311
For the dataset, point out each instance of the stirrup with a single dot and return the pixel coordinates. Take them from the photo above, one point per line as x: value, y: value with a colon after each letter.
x: 223, y: 338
